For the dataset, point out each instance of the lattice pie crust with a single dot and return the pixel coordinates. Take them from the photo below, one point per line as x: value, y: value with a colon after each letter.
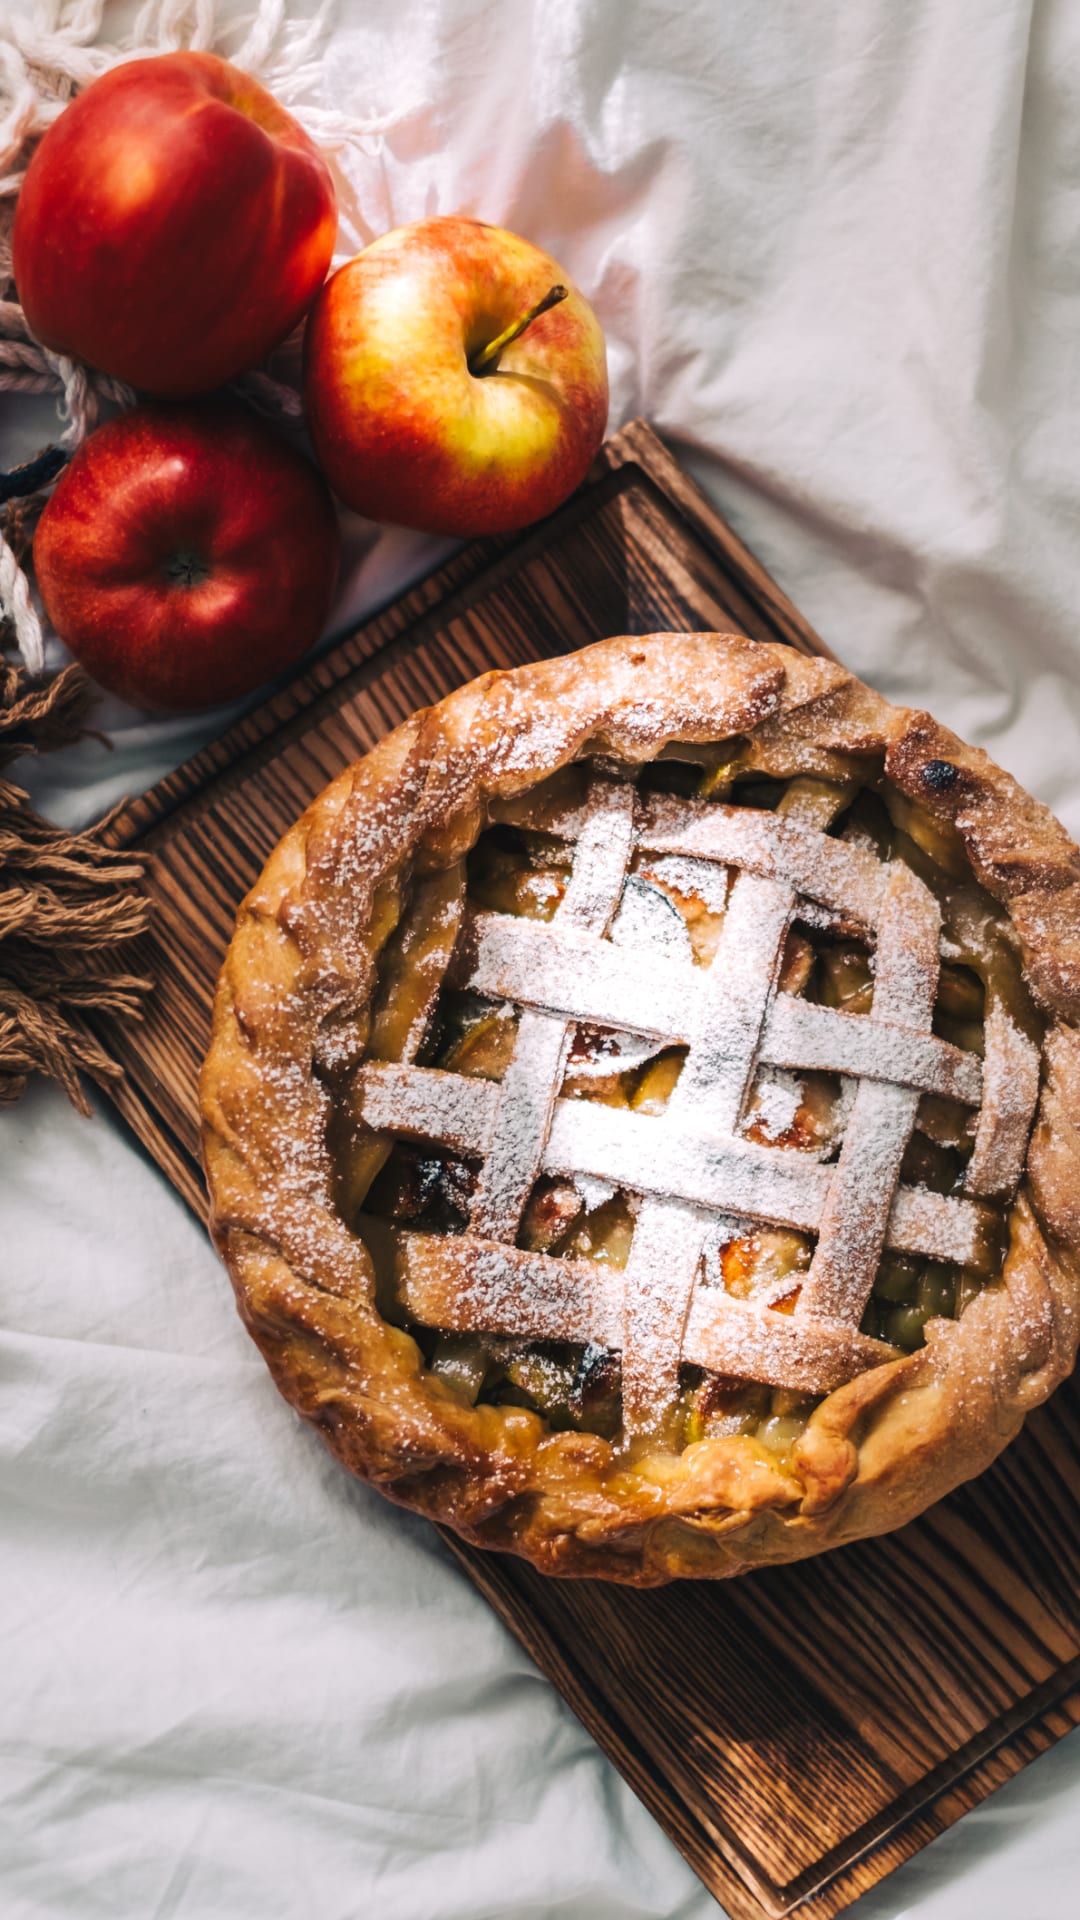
x: 648, y: 774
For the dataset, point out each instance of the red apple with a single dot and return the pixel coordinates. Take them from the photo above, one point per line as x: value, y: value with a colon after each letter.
x: 187, y: 554
x: 413, y: 420
x: 174, y: 224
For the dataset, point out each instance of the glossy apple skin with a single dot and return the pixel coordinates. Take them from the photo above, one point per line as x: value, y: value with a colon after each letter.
x: 187, y: 554
x: 403, y: 430
x: 174, y: 224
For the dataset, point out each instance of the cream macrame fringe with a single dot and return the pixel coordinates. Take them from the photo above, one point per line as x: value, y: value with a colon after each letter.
x: 68, y: 902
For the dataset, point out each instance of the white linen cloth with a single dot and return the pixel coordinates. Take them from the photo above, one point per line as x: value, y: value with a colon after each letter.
x: 836, y: 251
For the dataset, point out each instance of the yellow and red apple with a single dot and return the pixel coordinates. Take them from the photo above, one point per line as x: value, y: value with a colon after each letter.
x: 455, y: 379
x: 174, y: 225
x: 187, y: 554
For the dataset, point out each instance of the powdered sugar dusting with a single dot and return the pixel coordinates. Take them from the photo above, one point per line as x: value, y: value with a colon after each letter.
x: 1010, y: 1096
x: 853, y: 1225
x: 777, y: 1099
x: 594, y: 1193
x: 617, y: 957
x: 527, y: 1091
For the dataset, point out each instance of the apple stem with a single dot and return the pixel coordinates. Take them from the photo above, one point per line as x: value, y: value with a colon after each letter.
x: 486, y: 360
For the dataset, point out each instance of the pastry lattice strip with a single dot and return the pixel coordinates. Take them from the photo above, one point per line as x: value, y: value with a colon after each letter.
x: 522, y: 960
x: 526, y: 1093
x: 690, y: 1163
x: 461, y: 1283
x: 626, y: 1149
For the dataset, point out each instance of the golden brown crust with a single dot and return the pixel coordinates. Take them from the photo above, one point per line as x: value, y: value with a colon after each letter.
x: 293, y: 999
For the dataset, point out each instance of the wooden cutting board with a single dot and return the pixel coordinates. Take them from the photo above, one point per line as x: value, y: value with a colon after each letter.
x: 800, y: 1731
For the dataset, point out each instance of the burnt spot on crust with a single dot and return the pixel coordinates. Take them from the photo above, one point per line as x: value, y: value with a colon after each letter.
x: 939, y: 775
x: 1013, y: 843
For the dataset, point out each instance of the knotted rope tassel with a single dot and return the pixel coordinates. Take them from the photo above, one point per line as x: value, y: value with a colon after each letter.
x: 67, y: 901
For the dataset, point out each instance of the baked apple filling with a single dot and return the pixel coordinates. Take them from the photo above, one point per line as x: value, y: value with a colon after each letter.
x: 675, y: 908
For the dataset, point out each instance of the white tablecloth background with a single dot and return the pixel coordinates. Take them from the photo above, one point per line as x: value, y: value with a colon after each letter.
x: 836, y: 250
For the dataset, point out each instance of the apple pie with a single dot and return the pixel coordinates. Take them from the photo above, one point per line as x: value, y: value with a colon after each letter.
x: 641, y: 1114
